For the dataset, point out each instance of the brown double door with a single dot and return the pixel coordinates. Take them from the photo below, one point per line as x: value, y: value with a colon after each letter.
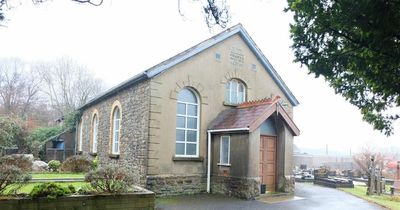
x: 268, y: 161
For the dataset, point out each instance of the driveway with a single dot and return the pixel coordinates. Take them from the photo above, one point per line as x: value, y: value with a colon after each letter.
x: 307, y: 197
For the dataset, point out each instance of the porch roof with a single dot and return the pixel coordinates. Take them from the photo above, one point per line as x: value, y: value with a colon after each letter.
x: 251, y: 115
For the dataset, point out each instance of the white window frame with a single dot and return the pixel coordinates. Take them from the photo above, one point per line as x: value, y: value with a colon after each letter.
x: 115, y: 141
x: 238, y: 84
x: 185, y: 142
x: 80, y: 147
x: 95, y: 125
x: 221, y: 150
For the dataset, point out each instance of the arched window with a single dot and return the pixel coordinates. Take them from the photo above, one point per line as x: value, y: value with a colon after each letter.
x: 95, y: 123
x: 80, y: 147
x: 235, y: 92
x: 187, y: 124
x: 115, y: 131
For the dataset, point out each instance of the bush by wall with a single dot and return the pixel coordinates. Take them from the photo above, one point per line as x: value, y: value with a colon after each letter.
x: 110, y: 179
x: 76, y: 163
x: 20, y: 161
x: 54, y: 165
x: 50, y: 190
x: 11, y: 174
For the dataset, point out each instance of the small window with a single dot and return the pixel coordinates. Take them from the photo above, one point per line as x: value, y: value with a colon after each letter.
x: 94, y: 133
x: 224, y: 151
x: 253, y: 67
x: 116, y: 125
x: 235, y: 92
x: 217, y: 56
x: 80, y: 148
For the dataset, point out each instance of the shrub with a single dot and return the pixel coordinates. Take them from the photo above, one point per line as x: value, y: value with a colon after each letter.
x: 50, y: 190
x: 110, y: 179
x: 76, y: 163
x: 22, y: 162
x: 54, y: 165
x: 10, y: 174
x: 95, y: 163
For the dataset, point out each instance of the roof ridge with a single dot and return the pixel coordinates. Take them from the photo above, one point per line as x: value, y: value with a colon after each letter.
x: 259, y: 102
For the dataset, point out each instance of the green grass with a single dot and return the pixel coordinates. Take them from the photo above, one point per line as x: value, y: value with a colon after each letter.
x: 27, y: 188
x: 57, y: 175
x: 391, y: 202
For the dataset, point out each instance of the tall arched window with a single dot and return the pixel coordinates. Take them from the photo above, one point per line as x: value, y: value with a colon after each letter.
x: 80, y: 147
x: 95, y: 123
x: 187, y: 124
x: 116, y: 124
x: 235, y: 92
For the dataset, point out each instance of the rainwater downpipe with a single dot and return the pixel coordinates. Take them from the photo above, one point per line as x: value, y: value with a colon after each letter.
x: 209, y: 132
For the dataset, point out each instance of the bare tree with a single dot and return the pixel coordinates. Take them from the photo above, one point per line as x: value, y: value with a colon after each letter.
x: 216, y: 12
x: 67, y: 84
x: 363, y: 159
x: 19, y: 87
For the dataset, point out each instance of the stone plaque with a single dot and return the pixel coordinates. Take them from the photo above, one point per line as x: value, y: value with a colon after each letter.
x: 236, y: 57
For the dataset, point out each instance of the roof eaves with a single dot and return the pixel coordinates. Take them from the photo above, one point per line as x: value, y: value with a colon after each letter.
x: 293, y: 127
x: 131, y: 81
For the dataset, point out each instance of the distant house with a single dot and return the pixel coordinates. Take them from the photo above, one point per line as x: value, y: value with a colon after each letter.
x: 61, y: 146
x: 214, y: 118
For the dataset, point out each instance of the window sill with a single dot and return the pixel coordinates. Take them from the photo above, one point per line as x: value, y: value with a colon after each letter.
x: 116, y: 156
x: 224, y: 164
x: 93, y: 153
x: 194, y: 159
x: 229, y: 104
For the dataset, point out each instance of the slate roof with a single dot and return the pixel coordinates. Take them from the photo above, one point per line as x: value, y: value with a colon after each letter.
x: 187, y: 54
x: 250, y: 115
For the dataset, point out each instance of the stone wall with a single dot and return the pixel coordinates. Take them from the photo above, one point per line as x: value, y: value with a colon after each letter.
x: 164, y: 185
x: 246, y: 188
x: 134, y: 130
x: 133, y: 201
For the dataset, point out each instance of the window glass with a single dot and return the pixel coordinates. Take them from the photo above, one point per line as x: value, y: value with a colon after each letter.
x: 191, y: 122
x: 181, y: 108
x: 192, y: 136
x: 192, y: 110
x: 224, y: 149
x: 240, y: 98
x: 235, y: 92
x: 180, y: 135
x: 191, y: 149
x: 94, y: 134
x: 234, y: 95
x: 116, y: 130
x: 180, y: 122
x: 81, y: 136
x: 180, y: 148
x: 187, y: 116
x: 187, y: 96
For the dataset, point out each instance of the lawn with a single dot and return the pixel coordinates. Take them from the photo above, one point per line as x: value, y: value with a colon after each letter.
x: 27, y: 188
x: 383, y: 200
x: 57, y: 175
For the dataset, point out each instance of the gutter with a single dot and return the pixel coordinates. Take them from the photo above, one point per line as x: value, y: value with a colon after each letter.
x: 209, y: 132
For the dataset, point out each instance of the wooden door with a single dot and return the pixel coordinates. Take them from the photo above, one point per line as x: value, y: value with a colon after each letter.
x: 268, y: 161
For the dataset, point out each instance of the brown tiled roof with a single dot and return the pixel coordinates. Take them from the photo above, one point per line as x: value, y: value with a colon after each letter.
x: 251, y: 115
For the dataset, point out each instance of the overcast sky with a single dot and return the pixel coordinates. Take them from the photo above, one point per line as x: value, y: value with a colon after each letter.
x: 122, y: 38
